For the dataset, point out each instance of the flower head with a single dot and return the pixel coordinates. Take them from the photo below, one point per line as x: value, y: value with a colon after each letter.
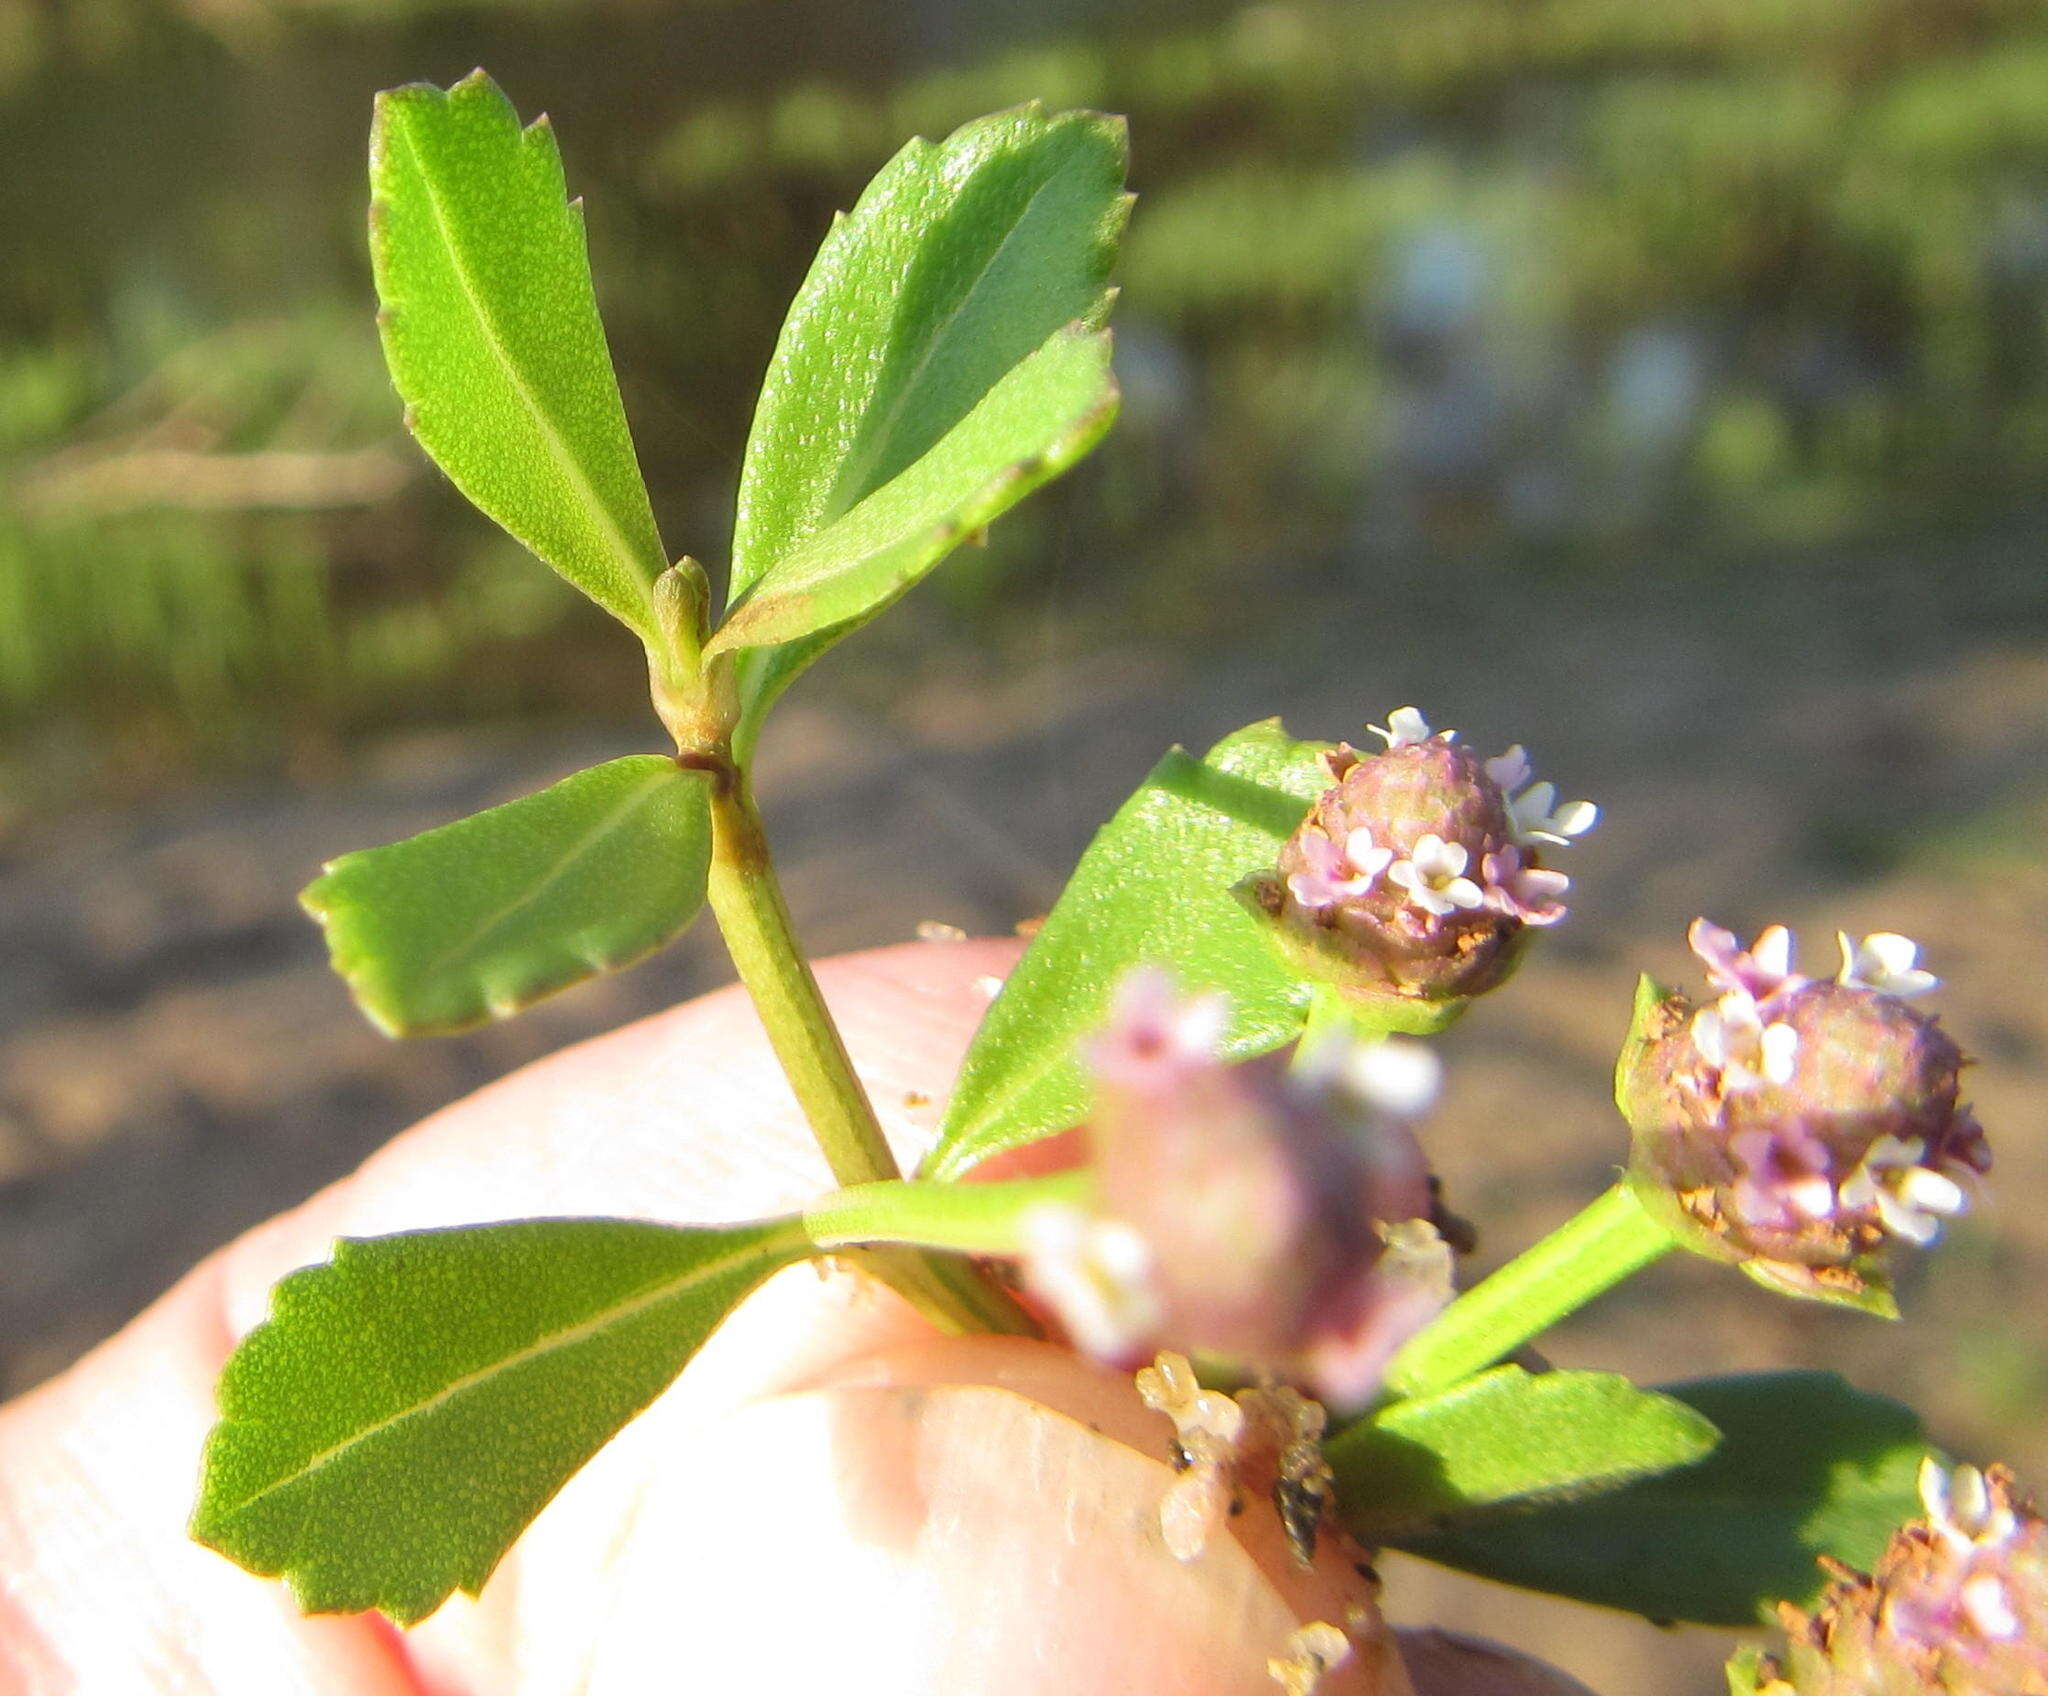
x: 1417, y: 873
x: 1276, y: 1216
x: 1799, y: 1127
x: 1957, y: 1605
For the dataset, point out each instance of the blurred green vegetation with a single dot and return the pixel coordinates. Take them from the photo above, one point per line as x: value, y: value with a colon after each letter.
x: 1578, y: 283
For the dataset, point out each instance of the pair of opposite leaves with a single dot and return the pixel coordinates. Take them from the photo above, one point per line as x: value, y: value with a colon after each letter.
x: 945, y: 356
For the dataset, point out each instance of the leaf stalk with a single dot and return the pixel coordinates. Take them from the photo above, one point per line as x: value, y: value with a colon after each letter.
x: 966, y: 1218
x: 1583, y: 1258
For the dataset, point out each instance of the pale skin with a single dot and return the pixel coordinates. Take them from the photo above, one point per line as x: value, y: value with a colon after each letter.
x: 833, y: 1497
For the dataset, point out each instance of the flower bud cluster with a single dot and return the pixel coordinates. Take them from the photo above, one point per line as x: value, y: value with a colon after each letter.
x: 1419, y: 871
x: 1957, y: 1605
x: 1276, y: 1217
x: 1801, y: 1126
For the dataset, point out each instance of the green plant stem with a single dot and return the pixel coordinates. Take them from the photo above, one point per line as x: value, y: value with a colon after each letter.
x: 1327, y: 1020
x: 1584, y: 1257
x: 967, y: 1218
x: 1334, y: 1017
x: 747, y: 900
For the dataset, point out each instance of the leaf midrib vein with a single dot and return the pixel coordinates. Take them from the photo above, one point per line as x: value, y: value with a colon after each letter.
x: 572, y: 469
x: 858, y: 468
x: 767, y: 1250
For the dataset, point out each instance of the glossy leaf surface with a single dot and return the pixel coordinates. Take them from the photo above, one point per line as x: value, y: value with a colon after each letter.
x: 1806, y: 1466
x: 1154, y: 887
x: 1041, y: 417
x: 1508, y: 1438
x: 480, y: 918
x: 410, y: 1406
x: 944, y: 339
x: 491, y: 332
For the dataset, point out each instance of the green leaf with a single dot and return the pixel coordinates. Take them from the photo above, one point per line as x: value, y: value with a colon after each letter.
x: 480, y: 918
x: 409, y: 1407
x: 1507, y: 1438
x: 1806, y: 1466
x: 1746, y: 1670
x: 1044, y: 414
x: 1154, y: 886
x: 961, y: 294
x: 491, y: 331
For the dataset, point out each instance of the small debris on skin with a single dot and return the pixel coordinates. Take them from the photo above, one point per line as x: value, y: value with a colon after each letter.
x: 1216, y: 1438
x: 1207, y: 1425
x: 937, y: 930
x: 916, y: 1098
x: 988, y: 988
x: 1028, y: 927
x: 1311, y: 1651
x: 1304, y: 1485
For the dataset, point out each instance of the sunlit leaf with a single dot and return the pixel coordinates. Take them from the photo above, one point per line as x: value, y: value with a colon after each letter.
x: 480, y: 918
x: 491, y: 331
x: 942, y: 358
x: 1042, y: 416
x: 1154, y: 887
x: 411, y: 1406
x: 1806, y: 1467
x: 1507, y: 1438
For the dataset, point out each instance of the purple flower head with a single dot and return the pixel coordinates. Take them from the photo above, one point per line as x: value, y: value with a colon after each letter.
x: 1417, y: 874
x: 1801, y: 1127
x: 1274, y: 1215
x: 1957, y: 1604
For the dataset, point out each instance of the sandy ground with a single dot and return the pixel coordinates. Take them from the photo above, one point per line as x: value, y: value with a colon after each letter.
x: 1858, y: 747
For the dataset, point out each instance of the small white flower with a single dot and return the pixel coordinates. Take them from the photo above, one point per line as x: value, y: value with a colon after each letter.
x: 1989, y: 1606
x: 1535, y: 816
x: 1733, y: 1039
x: 1772, y: 951
x: 1433, y: 875
x: 1910, y: 1200
x: 1153, y: 1037
x: 1095, y: 1274
x: 1333, y: 875
x: 1533, y: 894
x: 1510, y: 770
x: 1763, y: 972
x: 1405, y: 727
x: 1960, y: 1506
x: 1779, y: 1053
x: 1397, y: 1076
x: 1884, y: 961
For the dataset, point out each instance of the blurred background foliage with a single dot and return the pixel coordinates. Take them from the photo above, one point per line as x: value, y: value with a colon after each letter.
x: 1581, y: 285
